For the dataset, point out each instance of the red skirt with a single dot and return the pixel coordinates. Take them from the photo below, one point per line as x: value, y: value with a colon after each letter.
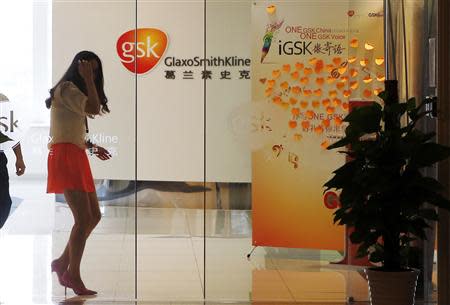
x: 68, y: 169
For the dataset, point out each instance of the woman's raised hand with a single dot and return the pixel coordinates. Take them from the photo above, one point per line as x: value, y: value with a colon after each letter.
x: 86, y: 70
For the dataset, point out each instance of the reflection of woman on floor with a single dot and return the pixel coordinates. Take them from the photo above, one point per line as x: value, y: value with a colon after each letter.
x: 78, y: 95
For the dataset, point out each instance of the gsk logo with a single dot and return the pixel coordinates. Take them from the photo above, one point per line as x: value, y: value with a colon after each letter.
x: 141, y: 50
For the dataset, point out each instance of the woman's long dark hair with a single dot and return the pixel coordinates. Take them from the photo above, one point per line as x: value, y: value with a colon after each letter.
x: 72, y: 75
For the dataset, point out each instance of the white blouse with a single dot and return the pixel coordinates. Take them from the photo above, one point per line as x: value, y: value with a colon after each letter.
x: 68, y: 116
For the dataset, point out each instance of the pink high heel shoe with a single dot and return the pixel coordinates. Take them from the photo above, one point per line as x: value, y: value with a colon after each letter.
x: 79, y: 290
x: 59, y: 271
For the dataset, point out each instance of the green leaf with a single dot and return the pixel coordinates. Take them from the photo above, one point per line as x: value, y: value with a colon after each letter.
x: 429, y: 214
x: 383, y: 95
x: 346, y: 219
x: 427, y: 183
x: 416, y: 136
x: 377, y: 256
x: 396, y: 109
x: 428, y: 136
x: 343, y: 175
x: 428, y: 154
x: 342, y: 142
x: 349, y: 195
x: 405, y: 239
x: 420, y: 115
x: 418, y: 226
x: 438, y: 200
x: 411, y: 104
x: 357, y: 236
x: 365, y: 119
x: 363, y: 251
x: 413, y: 113
x: 338, y: 214
x: 353, y: 133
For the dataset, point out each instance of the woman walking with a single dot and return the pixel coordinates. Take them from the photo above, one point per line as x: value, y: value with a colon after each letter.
x: 78, y: 95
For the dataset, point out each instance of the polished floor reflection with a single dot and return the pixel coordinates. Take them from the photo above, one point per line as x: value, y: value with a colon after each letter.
x: 170, y: 258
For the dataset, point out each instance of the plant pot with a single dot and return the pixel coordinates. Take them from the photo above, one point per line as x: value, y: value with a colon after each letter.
x: 392, y: 288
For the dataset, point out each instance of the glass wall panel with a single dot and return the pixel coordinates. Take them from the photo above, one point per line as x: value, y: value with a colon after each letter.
x: 228, y: 160
x: 103, y: 29
x: 26, y: 75
x: 272, y: 109
x: 170, y: 158
x: 44, y: 37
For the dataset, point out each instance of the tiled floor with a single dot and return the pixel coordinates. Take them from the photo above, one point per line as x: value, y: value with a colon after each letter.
x: 170, y: 259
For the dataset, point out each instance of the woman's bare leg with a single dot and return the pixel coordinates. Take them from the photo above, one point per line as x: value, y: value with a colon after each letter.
x: 79, y: 205
x: 63, y: 260
x: 95, y: 211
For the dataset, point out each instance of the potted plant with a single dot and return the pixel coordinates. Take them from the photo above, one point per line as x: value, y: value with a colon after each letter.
x: 383, y: 191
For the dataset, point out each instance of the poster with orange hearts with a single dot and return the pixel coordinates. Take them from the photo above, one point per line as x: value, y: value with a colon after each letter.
x: 309, y: 59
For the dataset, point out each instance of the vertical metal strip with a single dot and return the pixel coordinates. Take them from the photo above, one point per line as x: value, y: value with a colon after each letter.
x: 135, y: 154
x: 392, y: 41
x: 204, y: 149
x: 386, y: 41
x: 405, y: 50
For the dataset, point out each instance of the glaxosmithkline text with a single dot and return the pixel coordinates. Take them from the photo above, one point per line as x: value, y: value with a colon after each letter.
x: 215, y: 61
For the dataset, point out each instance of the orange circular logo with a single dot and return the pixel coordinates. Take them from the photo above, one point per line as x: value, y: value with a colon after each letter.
x: 331, y: 200
x: 141, y: 50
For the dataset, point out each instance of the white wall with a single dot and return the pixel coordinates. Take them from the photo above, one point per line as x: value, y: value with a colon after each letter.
x: 170, y: 112
x: 25, y: 76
